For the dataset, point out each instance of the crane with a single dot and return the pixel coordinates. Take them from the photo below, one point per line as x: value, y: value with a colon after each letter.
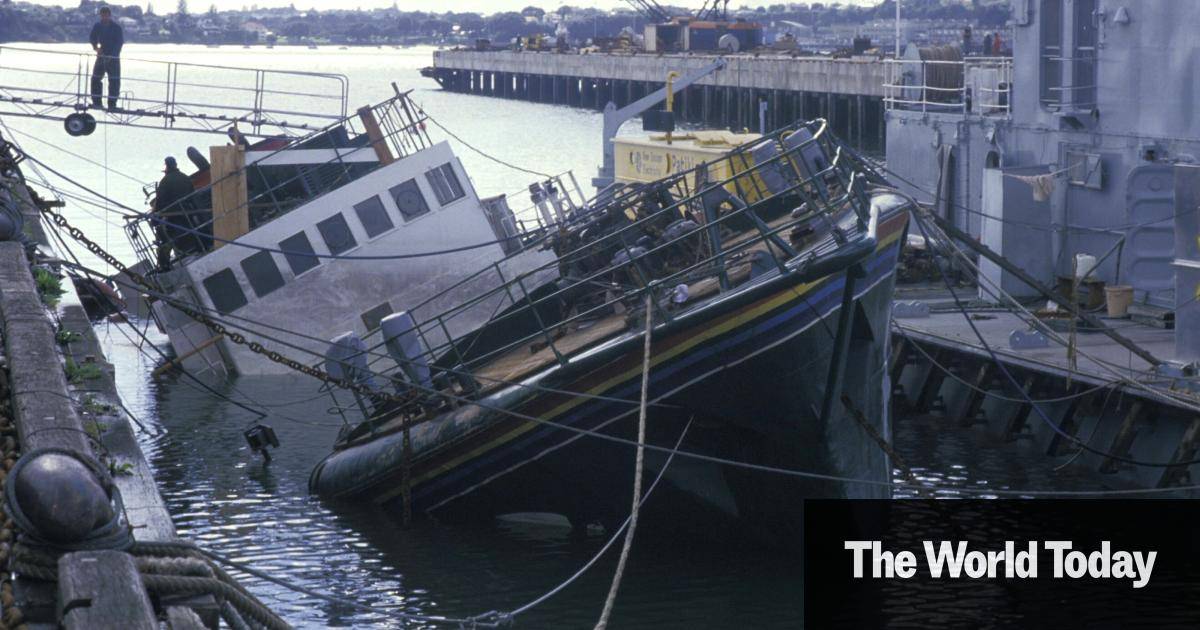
x: 650, y: 10
x: 717, y: 12
x: 614, y: 118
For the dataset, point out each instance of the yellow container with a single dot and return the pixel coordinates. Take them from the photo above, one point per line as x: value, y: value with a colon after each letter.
x: 645, y: 159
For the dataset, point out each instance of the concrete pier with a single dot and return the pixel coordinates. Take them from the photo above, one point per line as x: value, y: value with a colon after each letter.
x: 57, y: 391
x: 847, y: 92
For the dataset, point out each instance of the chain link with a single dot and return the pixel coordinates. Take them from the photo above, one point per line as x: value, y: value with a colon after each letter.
x: 216, y: 327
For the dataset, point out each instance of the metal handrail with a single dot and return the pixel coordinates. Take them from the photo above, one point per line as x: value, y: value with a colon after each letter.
x: 900, y: 94
x: 169, y: 108
x: 851, y: 192
x: 636, y: 192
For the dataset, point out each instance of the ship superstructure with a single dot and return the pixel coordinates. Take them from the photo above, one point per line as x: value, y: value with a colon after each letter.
x: 328, y: 233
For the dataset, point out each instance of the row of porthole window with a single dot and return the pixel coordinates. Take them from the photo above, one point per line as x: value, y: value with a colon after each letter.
x: 262, y: 272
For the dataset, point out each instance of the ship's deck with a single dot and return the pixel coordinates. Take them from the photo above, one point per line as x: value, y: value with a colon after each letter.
x: 576, y: 336
x: 1099, y: 360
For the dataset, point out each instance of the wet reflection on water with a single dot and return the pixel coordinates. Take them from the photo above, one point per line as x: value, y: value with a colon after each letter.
x: 224, y: 497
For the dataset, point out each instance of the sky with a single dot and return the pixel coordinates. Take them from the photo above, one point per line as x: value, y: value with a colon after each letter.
x: 479, y: 6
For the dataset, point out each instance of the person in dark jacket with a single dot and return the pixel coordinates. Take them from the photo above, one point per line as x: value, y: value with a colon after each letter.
x: 107, y: 40
x: 172, y: 219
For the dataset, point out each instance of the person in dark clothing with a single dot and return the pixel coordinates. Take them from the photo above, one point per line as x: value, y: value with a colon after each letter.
x: 107, y: 40
x: 987, y: 44
x: 172, y: 219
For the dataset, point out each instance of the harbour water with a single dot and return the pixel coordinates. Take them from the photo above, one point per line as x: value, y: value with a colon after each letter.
x: 224, y: 497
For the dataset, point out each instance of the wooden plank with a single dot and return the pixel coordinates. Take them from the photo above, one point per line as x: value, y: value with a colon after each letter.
x: 378, y: 141
x: 102, y: 589
x: 519, y: 362
x: 231, y: 211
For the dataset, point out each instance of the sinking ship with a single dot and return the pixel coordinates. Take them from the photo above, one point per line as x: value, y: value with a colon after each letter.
x: 327, y: 232
x: 764, y: 280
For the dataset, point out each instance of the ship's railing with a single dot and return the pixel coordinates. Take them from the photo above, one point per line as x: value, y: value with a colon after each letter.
x: 973, y: 86
x: 702, y: 250
x: 171, y: 94
x: 551, y: 202
x: 1080, y: 97
x: 401, y: 127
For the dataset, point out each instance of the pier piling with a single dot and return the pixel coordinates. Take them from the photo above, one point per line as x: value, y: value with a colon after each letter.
x: 847, y: 92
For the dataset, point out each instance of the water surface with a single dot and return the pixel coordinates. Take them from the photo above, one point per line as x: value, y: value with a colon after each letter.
x: 224, y: 497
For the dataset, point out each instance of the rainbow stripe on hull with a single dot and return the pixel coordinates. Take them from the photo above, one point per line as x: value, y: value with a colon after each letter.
x: 748, y: 368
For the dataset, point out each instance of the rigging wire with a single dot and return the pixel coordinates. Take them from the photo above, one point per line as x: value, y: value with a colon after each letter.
x: 998, y: 294
x: 1035, y: 406
x: 613, y: 539
x: 986, y: 392
x: 481, y: 151
x: 743, y: 464
x: 60, y: 148
x: 240, y: 243
x: 372, y: 353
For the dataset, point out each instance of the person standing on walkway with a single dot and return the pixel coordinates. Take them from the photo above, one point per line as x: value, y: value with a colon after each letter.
x: 171, y: 219
x: 107, y: 40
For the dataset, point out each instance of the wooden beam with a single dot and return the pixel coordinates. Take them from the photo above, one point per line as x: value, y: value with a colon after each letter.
x: 1185, y: 452
x: 378, y: 141
x: 973, y: 400
x: 1060, y: 445
x: 1125, y: 435
x: 231, y: 210
x: 932, y: 383
x: 102, y: 589
x: 177, y: 361
x: 899, y: 359
x: 1016, y: 422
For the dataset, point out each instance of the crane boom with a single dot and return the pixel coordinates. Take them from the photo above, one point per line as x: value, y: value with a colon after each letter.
x: 650, y: 10
x: 614, y: 118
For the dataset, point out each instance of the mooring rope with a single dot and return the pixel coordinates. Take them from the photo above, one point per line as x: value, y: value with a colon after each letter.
x: 639, y: 465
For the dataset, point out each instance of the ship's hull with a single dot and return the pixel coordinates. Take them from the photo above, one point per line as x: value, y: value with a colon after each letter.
x: 749, y: 376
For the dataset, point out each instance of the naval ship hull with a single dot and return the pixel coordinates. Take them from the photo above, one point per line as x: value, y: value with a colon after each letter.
x: 746, y: 374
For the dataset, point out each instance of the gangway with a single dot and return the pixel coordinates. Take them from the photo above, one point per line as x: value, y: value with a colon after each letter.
x: 170, y: 95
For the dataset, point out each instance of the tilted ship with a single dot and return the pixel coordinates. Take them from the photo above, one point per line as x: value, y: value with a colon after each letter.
x: 767, y: 292
x: 323, y: 233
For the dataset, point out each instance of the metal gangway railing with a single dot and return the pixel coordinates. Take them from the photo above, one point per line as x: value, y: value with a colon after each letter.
x: 56, y: 85
x: 400, y: 128
x: 972, y: 86
x: 812, y: 180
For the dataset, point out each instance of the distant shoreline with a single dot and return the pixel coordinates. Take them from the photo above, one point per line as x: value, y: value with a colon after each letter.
x: 19, y: 44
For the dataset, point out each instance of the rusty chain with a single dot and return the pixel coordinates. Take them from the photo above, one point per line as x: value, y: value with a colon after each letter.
x: 215, y: 326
